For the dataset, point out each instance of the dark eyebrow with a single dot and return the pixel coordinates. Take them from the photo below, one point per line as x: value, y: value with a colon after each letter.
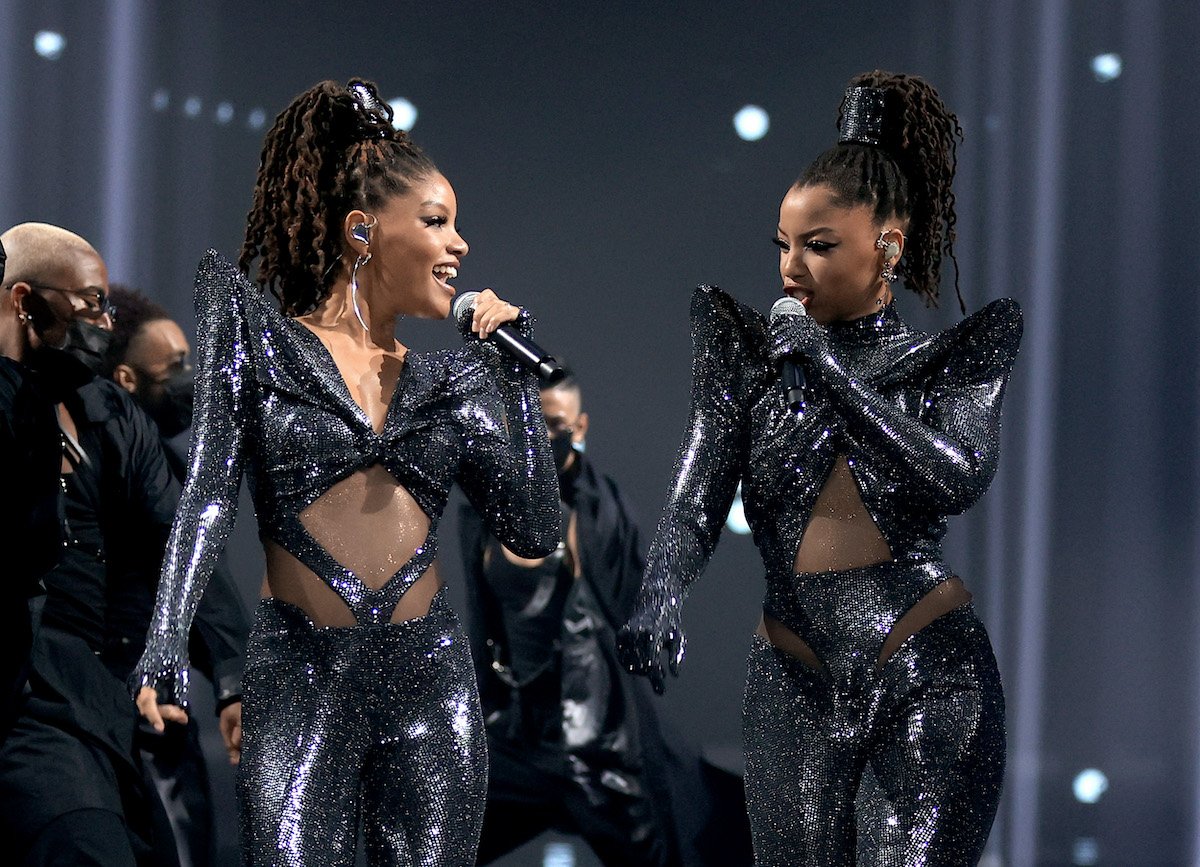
x: 433, y: 204
x: 810, y: 232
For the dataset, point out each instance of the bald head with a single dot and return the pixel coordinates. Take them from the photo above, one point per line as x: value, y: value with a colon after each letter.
x: 52, y: 277
x: 42, y: 253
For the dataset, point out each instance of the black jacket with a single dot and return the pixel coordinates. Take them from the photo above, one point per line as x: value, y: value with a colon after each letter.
x: 611, y: 557
x: 30, y: 519
x: 72, y: 746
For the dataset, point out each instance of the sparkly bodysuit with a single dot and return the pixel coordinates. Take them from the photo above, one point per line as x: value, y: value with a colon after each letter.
x: 380, y: 719
x: 909, y: 423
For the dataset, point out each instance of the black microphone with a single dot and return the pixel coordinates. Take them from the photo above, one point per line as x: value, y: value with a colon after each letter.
x: 791, y: 373
x: 511, y: 341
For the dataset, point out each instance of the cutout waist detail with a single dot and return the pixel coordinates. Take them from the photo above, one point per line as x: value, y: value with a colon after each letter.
x: 334, y: 597
x: 840, y: 616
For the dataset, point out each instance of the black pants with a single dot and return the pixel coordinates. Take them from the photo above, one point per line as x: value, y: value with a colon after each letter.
x: 68, y: 763
x: 530, y: 792
x: 83, y: 838
x: 174, y: 763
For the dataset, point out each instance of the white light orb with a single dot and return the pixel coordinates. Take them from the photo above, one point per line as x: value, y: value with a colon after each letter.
x: 404, y: 113
x: 751, y: 122
x: 49, y: 44
x: 1089, y: 785
x: 1106, y: 67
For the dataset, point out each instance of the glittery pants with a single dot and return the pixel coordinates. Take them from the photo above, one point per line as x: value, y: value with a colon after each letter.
x: 929, y: 725
x: 381, y: 722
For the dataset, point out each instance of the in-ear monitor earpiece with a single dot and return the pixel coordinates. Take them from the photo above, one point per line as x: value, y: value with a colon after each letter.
x: 361, y: 232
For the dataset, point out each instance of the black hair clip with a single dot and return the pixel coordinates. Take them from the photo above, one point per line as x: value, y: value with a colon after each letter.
x: 375, y: 115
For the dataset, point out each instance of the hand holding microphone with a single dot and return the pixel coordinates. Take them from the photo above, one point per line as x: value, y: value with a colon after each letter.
x: 794, y: 334
x: 484, y: 314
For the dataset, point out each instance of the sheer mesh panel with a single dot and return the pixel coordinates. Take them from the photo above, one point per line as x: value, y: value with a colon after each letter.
x: 841, y: 533
x: 368, y: 522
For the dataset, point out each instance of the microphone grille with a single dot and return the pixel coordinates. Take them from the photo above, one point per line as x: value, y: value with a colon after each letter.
x: 787, y: 306
x: 462, y: 305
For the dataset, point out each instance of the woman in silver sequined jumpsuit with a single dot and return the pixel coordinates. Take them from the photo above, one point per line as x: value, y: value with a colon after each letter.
x: 360, y: 699
x: 873, y: 712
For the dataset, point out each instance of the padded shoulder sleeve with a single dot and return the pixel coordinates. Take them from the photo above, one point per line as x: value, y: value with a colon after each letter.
x: 728, y: 357
x: 950, y: 452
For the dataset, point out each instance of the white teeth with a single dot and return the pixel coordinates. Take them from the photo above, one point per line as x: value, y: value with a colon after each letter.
x: 447, y: 272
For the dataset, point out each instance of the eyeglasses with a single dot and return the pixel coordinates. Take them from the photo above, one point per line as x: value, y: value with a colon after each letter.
x: 95, y: 301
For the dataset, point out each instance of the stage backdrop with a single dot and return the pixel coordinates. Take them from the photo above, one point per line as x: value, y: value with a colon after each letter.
x: 599, y: 178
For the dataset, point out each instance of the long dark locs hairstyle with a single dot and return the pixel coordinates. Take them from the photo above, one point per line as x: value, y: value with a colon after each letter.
x: 908, y: 175
x: 331, y: 151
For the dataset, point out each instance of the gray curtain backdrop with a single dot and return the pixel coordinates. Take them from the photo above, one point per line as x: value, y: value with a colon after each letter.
x: 599, y: 179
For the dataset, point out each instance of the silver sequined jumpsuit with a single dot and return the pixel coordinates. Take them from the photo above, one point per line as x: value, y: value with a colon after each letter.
x: 379, y: 721
x: 916, y: 417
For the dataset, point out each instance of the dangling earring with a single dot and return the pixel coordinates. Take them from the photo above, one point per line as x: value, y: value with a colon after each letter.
x: 891, y: 250
x: 360, y: 232
x: 358, y: 263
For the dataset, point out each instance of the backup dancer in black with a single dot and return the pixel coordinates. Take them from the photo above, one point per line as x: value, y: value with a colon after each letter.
x: 359, y: 694
x: 574, y: 742
x: 869, y: 654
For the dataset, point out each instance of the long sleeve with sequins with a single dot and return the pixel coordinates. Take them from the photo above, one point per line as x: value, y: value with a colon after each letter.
x: 710, y: 462
x: 950, y: 450
x: 208, y: 506
x: 508, y: 471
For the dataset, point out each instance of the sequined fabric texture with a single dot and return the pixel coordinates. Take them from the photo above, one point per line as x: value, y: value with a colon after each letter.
x: 863, y: 114
x: 916, y: 417
x: 381, y: 722
x: 271, y: 403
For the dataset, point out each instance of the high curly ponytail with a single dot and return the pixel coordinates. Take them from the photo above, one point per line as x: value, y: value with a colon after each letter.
x: 331, y: 151
x: 908, y: 173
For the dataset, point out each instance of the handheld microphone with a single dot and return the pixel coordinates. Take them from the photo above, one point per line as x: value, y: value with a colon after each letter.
x: 791, y: 373
x: 511, y: 341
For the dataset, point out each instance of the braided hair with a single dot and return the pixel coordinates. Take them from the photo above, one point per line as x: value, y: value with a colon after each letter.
x: 331, y: 151
x: 907, y: 175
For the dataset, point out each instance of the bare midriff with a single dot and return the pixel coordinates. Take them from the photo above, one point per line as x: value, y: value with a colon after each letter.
x: 841, y: 535
x: 370, y: 524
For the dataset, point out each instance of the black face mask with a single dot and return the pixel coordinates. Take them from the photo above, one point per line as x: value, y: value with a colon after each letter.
x: 89, y: 343
x: 171, y: 404
x: 562, y: 448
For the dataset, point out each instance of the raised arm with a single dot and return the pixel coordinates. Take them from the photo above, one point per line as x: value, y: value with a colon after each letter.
x: 709, y: 465
x: 209, y: 503
x: 950, y: 452
x: 507, y: 471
